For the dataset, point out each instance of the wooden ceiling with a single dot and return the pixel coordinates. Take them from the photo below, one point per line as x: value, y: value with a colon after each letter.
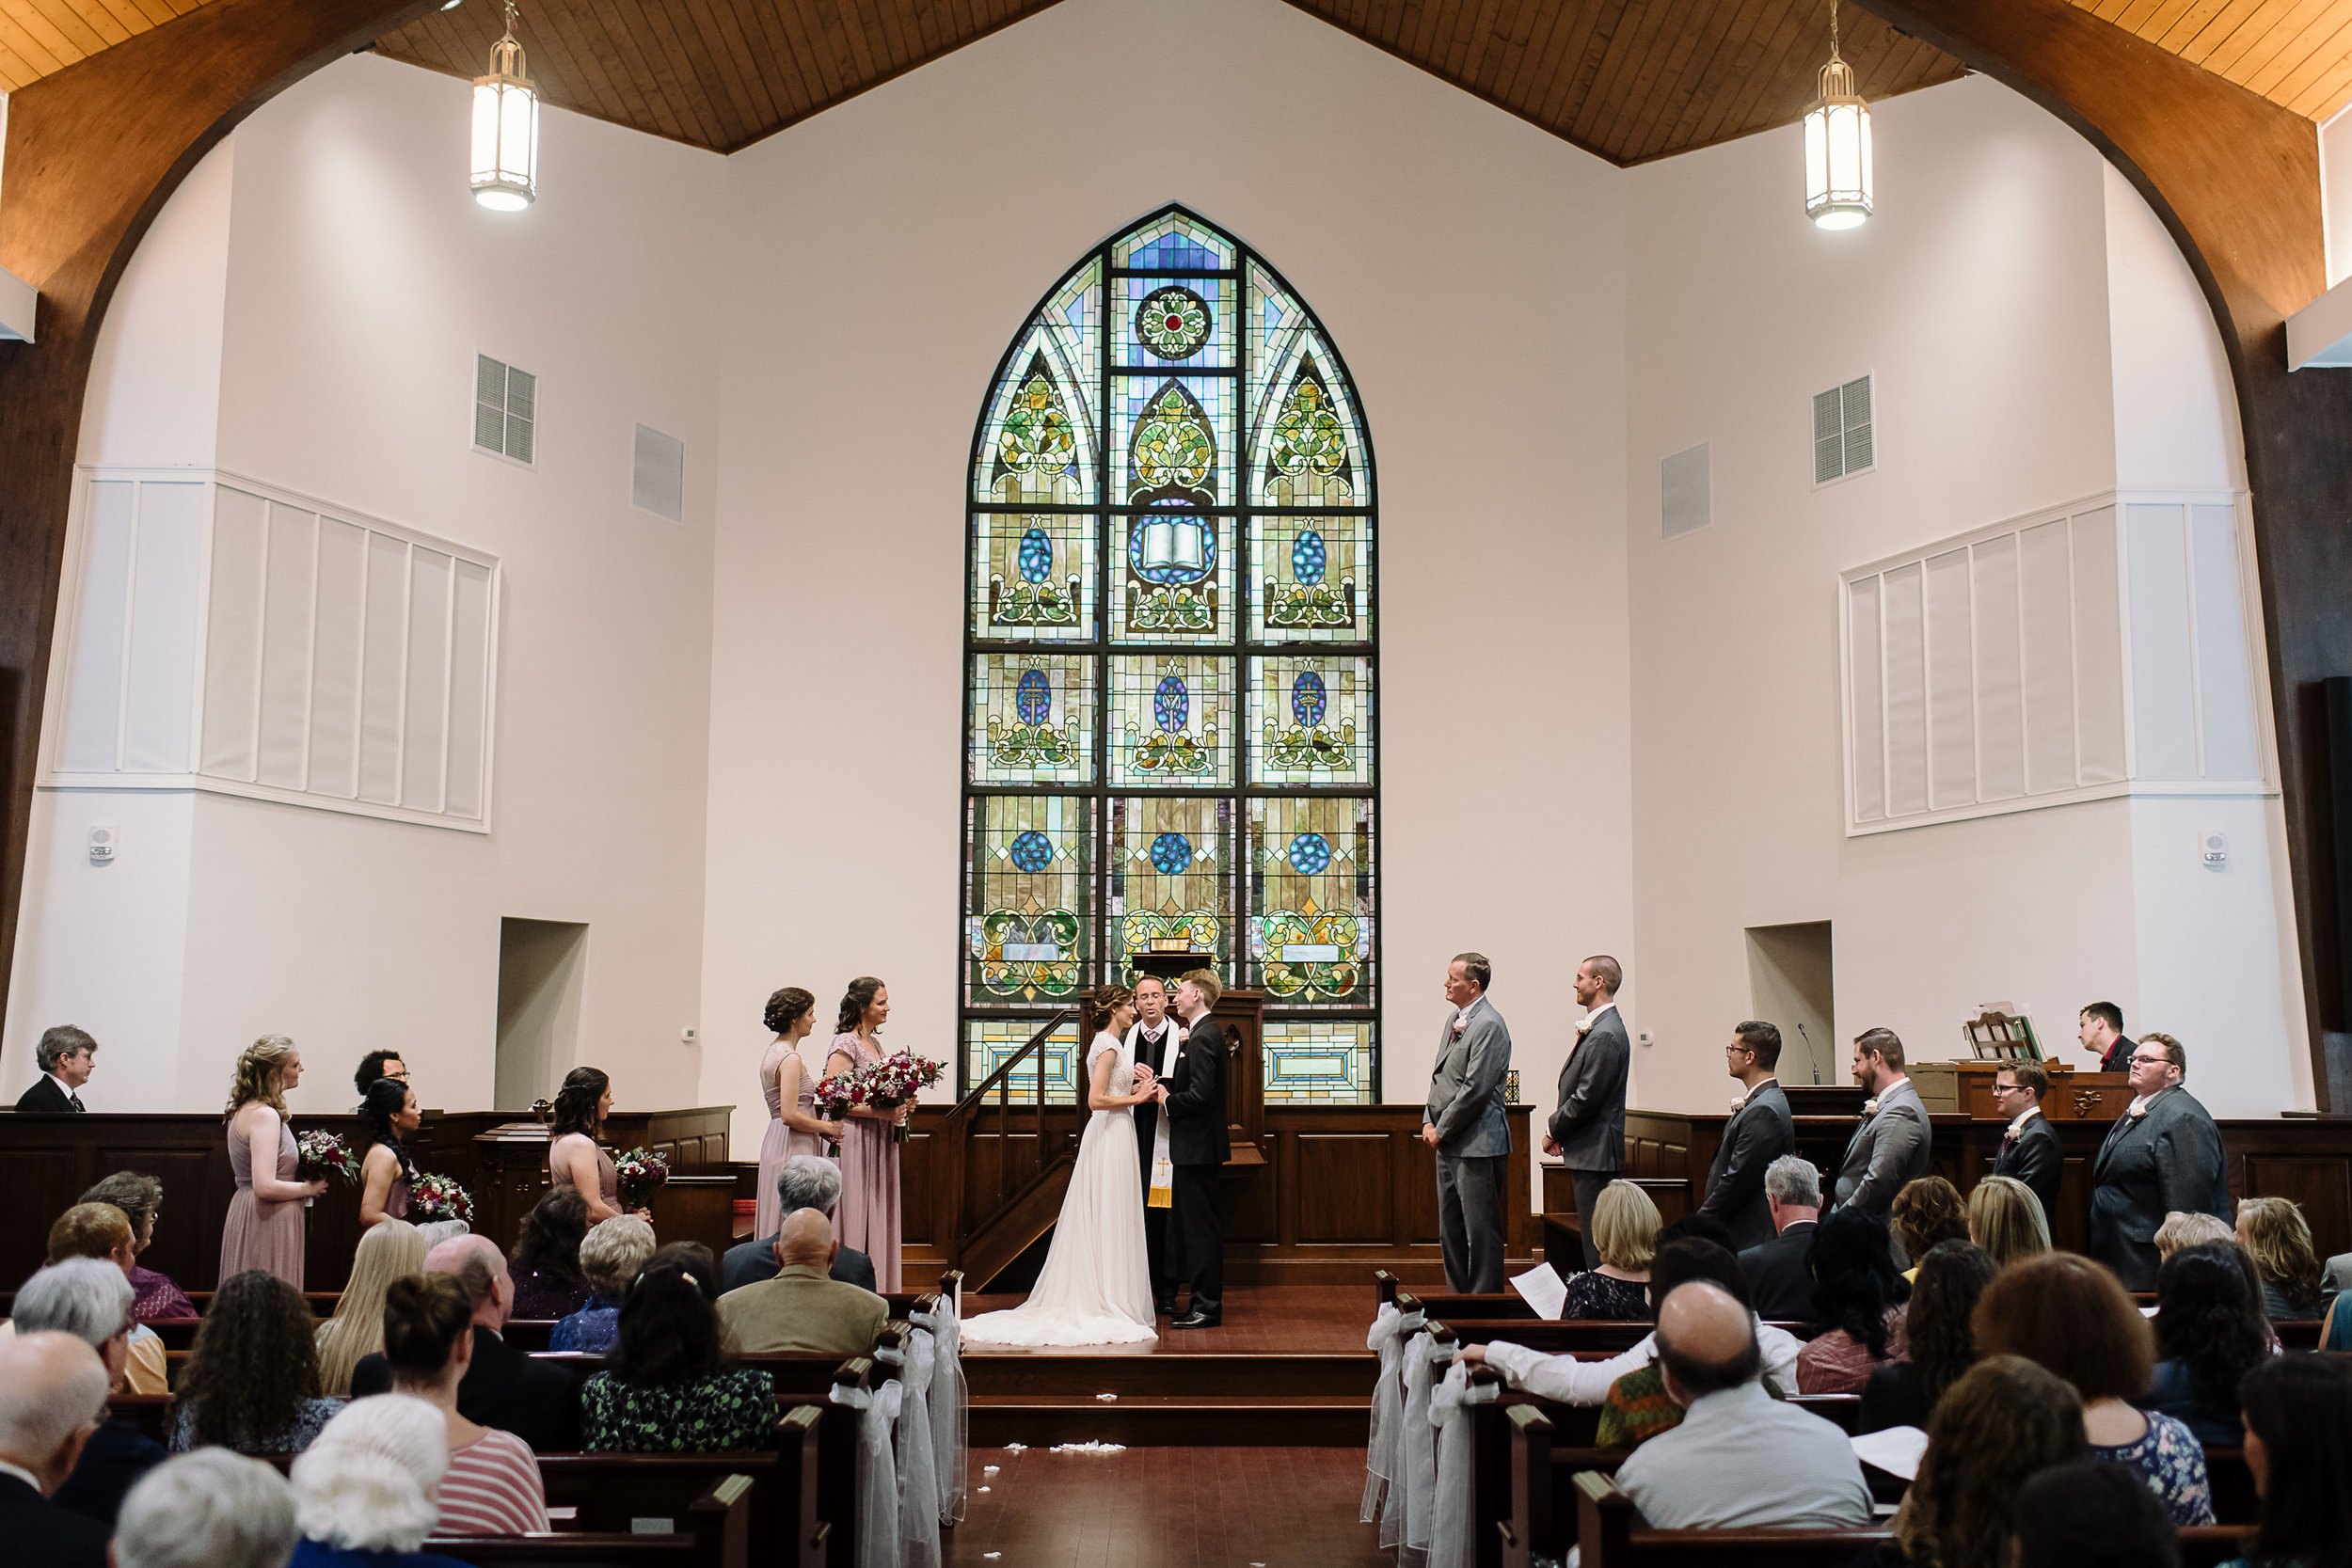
x: 37, y: 36
x: 2296, y: 53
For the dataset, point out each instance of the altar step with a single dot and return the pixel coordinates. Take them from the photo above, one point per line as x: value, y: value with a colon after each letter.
x: 1238, y: 1378
x: 1170, y: 1421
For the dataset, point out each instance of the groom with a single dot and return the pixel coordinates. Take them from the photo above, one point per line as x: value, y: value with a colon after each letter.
x: 1192, y: 1097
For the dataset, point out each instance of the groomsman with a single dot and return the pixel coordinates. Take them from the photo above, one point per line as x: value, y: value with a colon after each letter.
x: 1889, y: 1150
x: 67, y: 1057
x: 1465, y: 1123
x: 2163, y: 1156
x: 1759, y: 1132
x: 2029, y: 1150
x: 1193, y: 1099
x: 1152, y: 1039
x: 1587, y: 1132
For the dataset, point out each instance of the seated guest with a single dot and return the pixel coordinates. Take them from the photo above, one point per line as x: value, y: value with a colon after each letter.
x: 388, y: 1250
x: 2272, y: 1232
x: 91, y: 1301
x: 2209, y: 1335
x: 1624, y: 1235
x: 547, y: 1257
x: 608, y: 1259
x: 66, y: 1056
x: 804, y: 1181
x: 211, y: 1509
x: 1778, y: 1281
x: 252, y: 1382
x: 493, y: 1485
x: 1637, y: 1407
x: 53, y: 1391
x: 502, y: 1386
x: 2181, y: 1229
x: 102, y: 1231
x: 804, y: 1309
x: 1936, y: 1328
x: 1572, y: 1382
x: 1740, y: 1458
x: 1858, y: 1304
x: 2006, y: 1220
x: 2092, y: 1513
x: 2006, y: 1419
x: 1926, y: 1212
x: 2298, y: 1445
x: 697, y: 1260
x: 363, y: 1494
x: 672, y: 1386
x: 141, y: 1199
x: 2071, y: 1315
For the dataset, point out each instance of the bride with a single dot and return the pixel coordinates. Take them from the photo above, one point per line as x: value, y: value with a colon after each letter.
x: 1096, y: 1286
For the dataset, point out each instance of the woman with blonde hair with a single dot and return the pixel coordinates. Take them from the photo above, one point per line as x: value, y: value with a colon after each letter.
x: 1625, y: 1232
x: 2272, y: 1232
x: 264, y: 1229
x: 2005, y: 1218
x: 388, y: 1250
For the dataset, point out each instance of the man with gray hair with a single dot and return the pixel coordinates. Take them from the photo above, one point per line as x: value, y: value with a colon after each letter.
x: 1780, y: 1287
x: 502, y: 1386
x: 89, y: 1298
x: 806, y: 1182
x: 1464, y: 1126
x: 52, y: 1395
x: 67, y: 1057
x: 210, y: 1509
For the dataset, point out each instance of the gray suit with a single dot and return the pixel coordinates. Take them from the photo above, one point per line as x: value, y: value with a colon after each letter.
x: 1589, y: 1125
x: 1888, y: 1151
x: 1466, y: 1106
x: 1759, y: 1132
x: 2169, y: 1159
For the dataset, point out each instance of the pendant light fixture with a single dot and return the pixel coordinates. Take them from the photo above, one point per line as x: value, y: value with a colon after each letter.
x: 506, y: 175
x: 1837, y: 146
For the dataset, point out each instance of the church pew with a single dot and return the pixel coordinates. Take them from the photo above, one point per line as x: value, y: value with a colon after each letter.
x: 717, y: 1534
x: 618, y: 1493
x: 1612, y: 1534
x: 150, y: 1413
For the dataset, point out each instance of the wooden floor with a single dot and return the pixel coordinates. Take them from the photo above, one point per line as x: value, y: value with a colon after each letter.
x: 1166, y: 1507
x: 1258, y: 1320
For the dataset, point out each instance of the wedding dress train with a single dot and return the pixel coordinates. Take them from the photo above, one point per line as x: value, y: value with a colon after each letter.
x: 1096, y: 1286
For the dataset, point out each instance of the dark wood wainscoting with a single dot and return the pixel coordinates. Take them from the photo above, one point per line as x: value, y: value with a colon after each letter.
x: 2305, y: 1158
x: 47, y: 1161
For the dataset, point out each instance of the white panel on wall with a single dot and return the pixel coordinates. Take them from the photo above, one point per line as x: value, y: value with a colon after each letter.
x: 1685, y: 492
x: 346, y: 662
x: 1989, y: 671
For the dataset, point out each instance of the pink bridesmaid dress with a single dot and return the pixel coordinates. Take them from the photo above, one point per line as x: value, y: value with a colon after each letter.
x: 783, y: 1141
x: 261, y: 1233
x: 868, y: 1216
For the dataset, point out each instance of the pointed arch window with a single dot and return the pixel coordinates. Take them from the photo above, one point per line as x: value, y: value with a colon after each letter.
x: 1172, y: 661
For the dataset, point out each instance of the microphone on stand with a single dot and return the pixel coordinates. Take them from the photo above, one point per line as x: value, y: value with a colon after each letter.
x: 1809, y: 1053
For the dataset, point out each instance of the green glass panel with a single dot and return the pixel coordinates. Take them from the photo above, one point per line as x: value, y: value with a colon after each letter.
x: 1309, y: 720
x: 1170, y: 878
x: 1033, y: 577
x: 1318, y: 1062
x: 1311, y: 578
x: 1172, y: 718
x: 1027, y: 932
x: 1310, y: 899
x: 988, y: 1043
x: 1033, y: 716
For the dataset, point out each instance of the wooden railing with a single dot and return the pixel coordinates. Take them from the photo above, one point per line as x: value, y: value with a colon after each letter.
x: 970, y: 1201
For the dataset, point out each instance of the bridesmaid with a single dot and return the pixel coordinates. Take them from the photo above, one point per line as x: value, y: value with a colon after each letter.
x: 786, y: 1080
x: 575, y: 1158
x: 868, y: 1215
x: 264, y: 1229
x: 387, y: 1170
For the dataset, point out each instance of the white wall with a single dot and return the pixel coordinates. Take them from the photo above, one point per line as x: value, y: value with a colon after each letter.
x: 1471, y: 271
x: 306, y: 311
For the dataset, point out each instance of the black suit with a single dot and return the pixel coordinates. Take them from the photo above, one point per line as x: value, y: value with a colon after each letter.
x: 1780, y: 1287
x: 749, y: 1263
x: 117, y: 1454
x: 2036, y: 1159
x: 46, y: 1097
x: 1146, y: 1133
x: 1198, y: 1146
x: 502, y: 1388
x: 1760, y: 1133
x: 38, y: 1530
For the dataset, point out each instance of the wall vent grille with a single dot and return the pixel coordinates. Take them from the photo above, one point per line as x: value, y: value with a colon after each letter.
x: 505, y: 410
x: 1842, y: 445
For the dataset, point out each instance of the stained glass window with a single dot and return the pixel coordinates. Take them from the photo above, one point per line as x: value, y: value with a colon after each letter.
x: 1171, y: 724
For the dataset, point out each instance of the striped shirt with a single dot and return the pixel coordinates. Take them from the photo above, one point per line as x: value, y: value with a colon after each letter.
x: 493, y: 1488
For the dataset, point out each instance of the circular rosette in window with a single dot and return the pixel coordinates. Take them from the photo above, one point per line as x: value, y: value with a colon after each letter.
x: 1172, y: 322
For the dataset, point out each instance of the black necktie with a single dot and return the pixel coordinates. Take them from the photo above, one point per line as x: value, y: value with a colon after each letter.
x: 74, y: 1098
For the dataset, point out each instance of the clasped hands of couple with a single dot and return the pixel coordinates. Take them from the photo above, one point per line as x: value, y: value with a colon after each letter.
x: 1148, y: 1085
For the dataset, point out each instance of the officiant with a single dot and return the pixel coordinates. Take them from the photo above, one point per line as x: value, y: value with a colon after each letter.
x: 1152, y: 1041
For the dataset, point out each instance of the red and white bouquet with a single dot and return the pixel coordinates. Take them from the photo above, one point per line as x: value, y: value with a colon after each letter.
x: 834, y: 1096
x: 894, y: 1081
x: 320, y: 1153
x: 438, y: 1198
x: 640, y: 1171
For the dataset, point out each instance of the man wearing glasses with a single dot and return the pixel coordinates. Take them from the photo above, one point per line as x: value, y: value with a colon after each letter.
x: 379, y: 1063
x: 2030, y: 1150
x: 1759, y: 1132
x: 2162, y: 1156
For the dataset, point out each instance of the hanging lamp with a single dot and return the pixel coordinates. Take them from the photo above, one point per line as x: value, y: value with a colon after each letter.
x: 505, y: 173
x: 1837, y: 146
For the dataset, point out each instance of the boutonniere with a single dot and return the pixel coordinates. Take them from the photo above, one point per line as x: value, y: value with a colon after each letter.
x: 1738, y: 1102
x: 1870, y: 1106
x: 1581, y: 1026
x: 2140, y: 1109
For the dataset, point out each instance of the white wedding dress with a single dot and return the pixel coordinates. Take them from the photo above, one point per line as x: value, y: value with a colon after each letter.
x: 1096, y: 1286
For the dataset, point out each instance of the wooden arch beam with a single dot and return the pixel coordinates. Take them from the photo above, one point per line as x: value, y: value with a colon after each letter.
x: 2235, y: 178
x: 93, y: 152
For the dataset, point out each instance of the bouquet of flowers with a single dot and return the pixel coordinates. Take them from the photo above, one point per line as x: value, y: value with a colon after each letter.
x: 320, y: 1153
x: 896, y: 1080
x: 438, y: 1198
x: 834, y: 1097
x: 640, y: 1171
